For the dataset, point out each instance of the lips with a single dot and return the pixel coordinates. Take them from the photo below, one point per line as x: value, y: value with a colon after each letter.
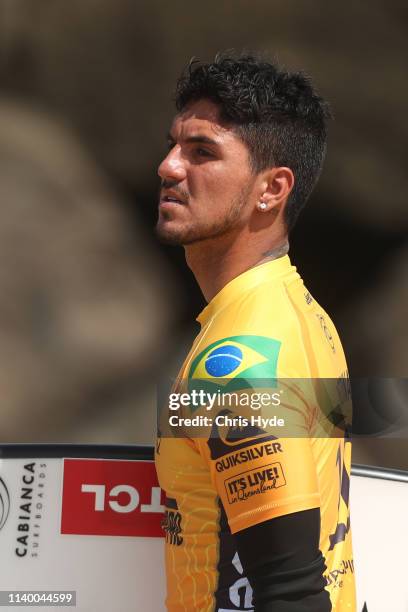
x: 171, y: 196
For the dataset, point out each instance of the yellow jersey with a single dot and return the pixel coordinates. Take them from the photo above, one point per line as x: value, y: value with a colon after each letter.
x: 263, y: 325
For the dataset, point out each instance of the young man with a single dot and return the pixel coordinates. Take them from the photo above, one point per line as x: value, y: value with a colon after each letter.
x: 254, y: 521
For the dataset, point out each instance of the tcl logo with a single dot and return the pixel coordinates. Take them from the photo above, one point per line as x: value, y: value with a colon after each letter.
x: 110, y: 497
x: 132, y: 495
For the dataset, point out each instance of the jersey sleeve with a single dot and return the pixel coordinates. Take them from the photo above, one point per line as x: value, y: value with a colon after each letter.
x: 262, y: 470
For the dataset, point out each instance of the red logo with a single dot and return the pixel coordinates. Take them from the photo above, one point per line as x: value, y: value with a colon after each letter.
x: 111, y: 497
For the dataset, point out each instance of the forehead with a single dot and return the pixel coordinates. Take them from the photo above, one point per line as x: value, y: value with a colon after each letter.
x: 202, y: 117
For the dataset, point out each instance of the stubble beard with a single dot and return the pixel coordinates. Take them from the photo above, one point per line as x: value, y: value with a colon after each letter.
x: 182, y: 236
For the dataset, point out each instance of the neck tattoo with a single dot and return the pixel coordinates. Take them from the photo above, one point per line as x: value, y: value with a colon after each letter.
x: 279, y: 251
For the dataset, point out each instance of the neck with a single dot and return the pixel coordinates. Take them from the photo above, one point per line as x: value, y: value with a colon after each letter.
x: 216, y: 262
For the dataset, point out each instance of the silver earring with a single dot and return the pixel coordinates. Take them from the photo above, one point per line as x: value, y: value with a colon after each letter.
x: 262, y: 206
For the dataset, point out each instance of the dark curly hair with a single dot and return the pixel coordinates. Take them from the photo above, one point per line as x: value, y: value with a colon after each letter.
x: 277, y: 114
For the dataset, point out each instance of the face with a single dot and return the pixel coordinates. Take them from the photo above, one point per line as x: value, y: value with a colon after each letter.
x: 206, y: 180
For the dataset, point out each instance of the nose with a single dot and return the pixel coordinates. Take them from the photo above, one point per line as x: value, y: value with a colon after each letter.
x: 172, y: 167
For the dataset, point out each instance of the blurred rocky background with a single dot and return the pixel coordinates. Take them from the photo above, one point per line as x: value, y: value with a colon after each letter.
x: 92, y: 310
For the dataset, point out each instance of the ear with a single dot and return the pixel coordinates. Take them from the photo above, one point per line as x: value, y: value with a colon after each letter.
x: 277, y: 183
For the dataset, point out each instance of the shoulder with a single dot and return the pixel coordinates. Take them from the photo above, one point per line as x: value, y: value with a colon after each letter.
x: 271, y: 331
x: 247, y: 337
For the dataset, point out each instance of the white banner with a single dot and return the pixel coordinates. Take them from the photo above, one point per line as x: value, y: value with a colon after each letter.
x: 379, y: 516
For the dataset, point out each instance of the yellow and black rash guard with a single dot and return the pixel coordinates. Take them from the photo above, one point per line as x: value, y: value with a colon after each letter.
x: 264, y: 324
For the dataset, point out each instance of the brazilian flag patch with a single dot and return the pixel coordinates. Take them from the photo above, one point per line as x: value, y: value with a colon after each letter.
x: 232, y: 363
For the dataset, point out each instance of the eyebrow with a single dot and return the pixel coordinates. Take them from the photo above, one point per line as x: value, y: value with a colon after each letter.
x: 195, y: 138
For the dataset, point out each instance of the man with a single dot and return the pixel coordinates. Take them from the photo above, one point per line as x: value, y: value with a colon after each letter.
x: 254, y: 521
